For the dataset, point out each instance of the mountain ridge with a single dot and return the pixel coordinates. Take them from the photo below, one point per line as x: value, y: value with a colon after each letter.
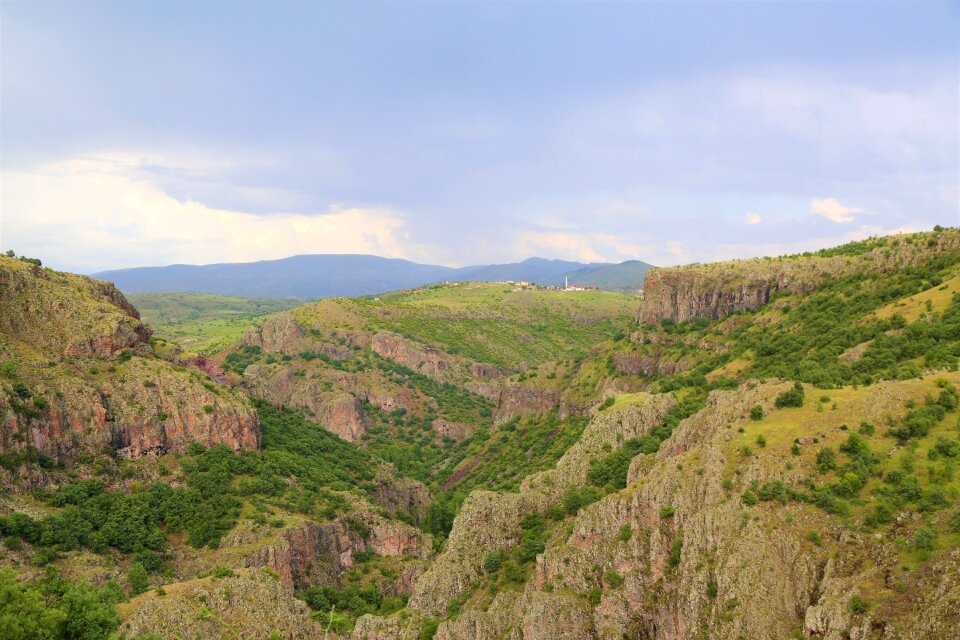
x: 314, y: 276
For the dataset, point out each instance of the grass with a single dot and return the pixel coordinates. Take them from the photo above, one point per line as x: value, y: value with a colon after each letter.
x: 915, y: 306
x: 621, y: 400
x: 485, y: 322
x: 782, y: 426
x: 202, y: 322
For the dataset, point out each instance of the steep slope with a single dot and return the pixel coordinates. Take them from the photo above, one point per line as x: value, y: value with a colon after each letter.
x: 839, y: 496
x: 715, y: 290
x: 128, y: 472
x: 79, y: 374
x: 424, y: 378
x: 679, y: 552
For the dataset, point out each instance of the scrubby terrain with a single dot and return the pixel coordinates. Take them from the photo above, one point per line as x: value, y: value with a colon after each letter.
x: 756, y: 449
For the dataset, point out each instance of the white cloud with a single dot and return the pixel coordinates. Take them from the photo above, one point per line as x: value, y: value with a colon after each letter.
x: 596, y: 247
x: 92, y: 214
x: 832, y: 210
x: 754, y: 218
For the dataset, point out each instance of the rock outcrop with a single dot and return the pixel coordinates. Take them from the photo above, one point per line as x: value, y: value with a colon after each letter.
x: 308, y: 553
x: 518, y: 399
x: 85, y: 376
x: 412, y: 355
x: 490, y: 521
x: 723, y: 288
x: 250, y: 605
x: 453, y: 430
x: 343, y: 416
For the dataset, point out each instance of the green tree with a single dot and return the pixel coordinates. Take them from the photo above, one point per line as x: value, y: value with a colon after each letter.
x: 137, y: 579
x: 24, y: 614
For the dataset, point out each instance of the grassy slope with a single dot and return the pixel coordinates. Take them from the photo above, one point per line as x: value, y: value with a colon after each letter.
x: 202, y: 322
x: 488, y: 322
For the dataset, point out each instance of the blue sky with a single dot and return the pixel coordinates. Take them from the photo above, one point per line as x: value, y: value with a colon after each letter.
x: 460, y: 133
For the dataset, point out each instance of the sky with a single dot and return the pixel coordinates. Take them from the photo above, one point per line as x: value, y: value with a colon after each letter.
x: 459, y: 133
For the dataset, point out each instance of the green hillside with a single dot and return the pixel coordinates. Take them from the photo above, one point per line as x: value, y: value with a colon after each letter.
x: 503, y: 446
x: 202, y: 322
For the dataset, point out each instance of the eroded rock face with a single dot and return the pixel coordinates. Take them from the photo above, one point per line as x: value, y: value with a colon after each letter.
x: 132, y: 419
x: 336, y: 411
x: 398, y: 493
x: 717, y: 290
x: 636, y: 363
x: 710, y: 587
x: 277, y: 333
x: 250, y: 605
x: 312, y: 553
x: 524, y: 400
x: 412, y: 355
x: 490, y: 521
x: 720, y: 289
x: 59, y: 329
x: 344, y: 417
x: 453, y: 430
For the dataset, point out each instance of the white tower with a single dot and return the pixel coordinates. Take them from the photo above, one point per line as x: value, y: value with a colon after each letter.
x: 566, y: 283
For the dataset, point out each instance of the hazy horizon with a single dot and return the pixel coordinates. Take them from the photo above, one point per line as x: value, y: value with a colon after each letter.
x: 144, y: 134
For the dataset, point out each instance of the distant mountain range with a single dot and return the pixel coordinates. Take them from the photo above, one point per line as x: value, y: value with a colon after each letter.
x: 327, y: 275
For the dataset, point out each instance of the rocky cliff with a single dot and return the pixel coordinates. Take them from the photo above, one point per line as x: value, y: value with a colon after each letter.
x: 679, y: 554
x: 489, y: 521
x: 719, y: 289
x: 79, y: 374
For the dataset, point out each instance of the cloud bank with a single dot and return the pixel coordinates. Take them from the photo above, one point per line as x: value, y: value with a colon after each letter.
x: 91, y: 214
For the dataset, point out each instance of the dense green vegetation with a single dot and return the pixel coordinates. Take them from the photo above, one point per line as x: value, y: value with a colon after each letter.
x: 497, y: 460
x: 55, y: 609
x: 811, y: 332
x: 217, y: 484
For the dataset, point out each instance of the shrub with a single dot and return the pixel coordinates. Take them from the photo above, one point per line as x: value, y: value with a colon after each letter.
x: 791, y: 398
x: 137, y: 579
x: 491, y: 564
x: 594, y: 595
x: 453, y: 607
x: 613, y: 579
x: 429, y: 629
x: 667, y: 512
x: 946, y: 448
x: 626, y: 532
x: 955, y: 523
x: 761, y: 441
x: 749, y: 498
x: 712, y: 590
x: 606, y: 404
x: 925, y: 539
x: 857, y: 604
x: 676, y: 550
x: 756, y: 412
x: 826, y: 460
